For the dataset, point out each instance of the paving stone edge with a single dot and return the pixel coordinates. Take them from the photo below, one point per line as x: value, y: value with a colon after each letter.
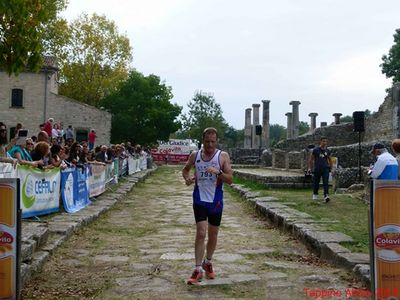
x: 323, y: 243
x: 36, y: 245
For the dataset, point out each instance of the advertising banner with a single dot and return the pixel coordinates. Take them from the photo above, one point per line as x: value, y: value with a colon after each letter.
x: 174, y: 150
x: 116, y: 169
x: 385, y: 239
x: 7, y: 171
x: 74, y: 191
x: 40, y: 190
x: 97, y: 180
x: 133, y: 165
x: 9, y: 238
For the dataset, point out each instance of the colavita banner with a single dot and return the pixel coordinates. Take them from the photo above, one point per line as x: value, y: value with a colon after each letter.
x: 385, y: 239
x: 40, y: 190
x: 9, y: 238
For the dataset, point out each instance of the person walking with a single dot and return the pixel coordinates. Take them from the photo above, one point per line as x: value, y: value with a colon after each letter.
x: 212, y: 169
x: 92, y: 139
x: 320, y: 163
x: 386, y: 166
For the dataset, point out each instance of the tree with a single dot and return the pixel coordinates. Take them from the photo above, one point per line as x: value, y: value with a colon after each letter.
x: 391, y: 62
x: 203, y: 112
x: 93, y: 57
x: 303, y: 127
x: 276, y: 133
x: 233, y: 138
x: 142, y: 111
x: 22, y: 28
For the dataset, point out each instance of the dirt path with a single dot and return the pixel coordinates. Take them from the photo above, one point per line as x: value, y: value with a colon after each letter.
x: 143, y: 249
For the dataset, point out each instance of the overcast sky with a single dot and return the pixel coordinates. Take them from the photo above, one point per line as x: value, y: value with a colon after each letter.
x: 324, y: 53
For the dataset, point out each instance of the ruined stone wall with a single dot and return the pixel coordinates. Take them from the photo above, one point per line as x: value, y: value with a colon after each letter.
x: 338, y: 135
x: 382, y: 125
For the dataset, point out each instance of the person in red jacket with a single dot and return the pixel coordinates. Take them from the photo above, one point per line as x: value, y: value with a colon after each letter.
x: 92, y: 139
x: 48, y: 126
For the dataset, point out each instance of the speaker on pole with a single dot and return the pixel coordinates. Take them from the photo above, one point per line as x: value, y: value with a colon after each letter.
x: 258, y: 129
x: 358, y: 121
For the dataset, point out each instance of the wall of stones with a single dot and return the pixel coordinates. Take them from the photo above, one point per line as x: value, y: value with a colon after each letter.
x: 338, y: 135
x: 81, y: 116
x: 32, y: 112
x: 382, y: 125
x: 62, y: 109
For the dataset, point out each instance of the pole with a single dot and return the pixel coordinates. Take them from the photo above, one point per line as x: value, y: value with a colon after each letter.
x: 359, y: 157
x: 259, y: 151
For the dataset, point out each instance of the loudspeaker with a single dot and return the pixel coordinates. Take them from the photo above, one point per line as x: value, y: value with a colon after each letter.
x: 258, y: 129
x: 358, y: 120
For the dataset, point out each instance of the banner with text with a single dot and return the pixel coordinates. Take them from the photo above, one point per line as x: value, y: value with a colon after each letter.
x: 97, y: 179
x: 173, y: 150
x: 74, y: 190
x: 40, y: 190
x: 385, y: 238
x: 9, y: 239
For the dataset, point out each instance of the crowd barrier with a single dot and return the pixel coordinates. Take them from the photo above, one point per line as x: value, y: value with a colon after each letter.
x: 42, y: 189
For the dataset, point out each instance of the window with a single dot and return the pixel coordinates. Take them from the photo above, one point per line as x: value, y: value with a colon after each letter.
x: 81, y: 135
x: 17, y: 98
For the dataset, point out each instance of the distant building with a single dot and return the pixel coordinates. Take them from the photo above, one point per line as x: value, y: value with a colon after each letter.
x: 31, y: 98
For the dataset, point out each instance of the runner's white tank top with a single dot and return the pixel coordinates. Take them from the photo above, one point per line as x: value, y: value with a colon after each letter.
x: 208, y: 188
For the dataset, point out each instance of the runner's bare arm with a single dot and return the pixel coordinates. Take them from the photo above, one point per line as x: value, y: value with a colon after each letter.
x: 189, y: 179
x: 225, y: 173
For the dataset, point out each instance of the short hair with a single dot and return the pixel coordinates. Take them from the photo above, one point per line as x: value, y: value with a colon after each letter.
x: 42, y: 148
x: 396, y: 146
x: 210, y: 130
x: 323, y: 138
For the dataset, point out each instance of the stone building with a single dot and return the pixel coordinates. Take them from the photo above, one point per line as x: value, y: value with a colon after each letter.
x: 31, y: 98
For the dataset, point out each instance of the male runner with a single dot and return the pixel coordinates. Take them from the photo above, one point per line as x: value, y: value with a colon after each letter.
x: 212, y: 168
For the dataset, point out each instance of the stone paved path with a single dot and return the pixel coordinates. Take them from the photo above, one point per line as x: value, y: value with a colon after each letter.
x: 143, y: 249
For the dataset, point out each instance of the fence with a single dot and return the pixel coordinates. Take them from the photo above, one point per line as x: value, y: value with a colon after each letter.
x: 42, y: 189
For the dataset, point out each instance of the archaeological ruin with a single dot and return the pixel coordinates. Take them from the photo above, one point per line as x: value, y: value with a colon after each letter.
x: 292, y: 153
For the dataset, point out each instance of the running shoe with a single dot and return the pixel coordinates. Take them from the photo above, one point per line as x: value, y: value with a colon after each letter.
x: 207, y: 266
x: 327, y: 199
x: 315, y: 197
x: 196, y: 277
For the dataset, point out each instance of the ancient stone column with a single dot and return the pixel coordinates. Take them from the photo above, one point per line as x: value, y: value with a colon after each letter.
x: 313, y: 121
x: 337, y: 117
x: 247, y: 129
x: 256, y: 121
x: 323, y: 124
x: 265, y: 133
x: 295, y: 122
x: 289, y: 129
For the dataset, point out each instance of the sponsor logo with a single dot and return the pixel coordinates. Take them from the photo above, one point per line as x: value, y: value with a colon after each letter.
x: 6, y: 238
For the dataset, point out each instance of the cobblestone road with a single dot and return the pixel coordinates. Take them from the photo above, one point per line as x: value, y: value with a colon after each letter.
x: 143, y: 249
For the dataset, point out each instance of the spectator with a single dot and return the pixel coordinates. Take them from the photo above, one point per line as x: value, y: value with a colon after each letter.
x: 4, y: 145
x: 92, y: 139
x: 74, y: 153
x: 54, y: 131
x: 102, y: 155
x: 57, y: 156
x: 83, y: 157
x: 69, y: 133
x: 29, y: 145
x: 396, y: 150
x: 41, y: 152
x: 19, y: 152
x: 386, y: 166
x: 43, y: 137
x: 48, y: 126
